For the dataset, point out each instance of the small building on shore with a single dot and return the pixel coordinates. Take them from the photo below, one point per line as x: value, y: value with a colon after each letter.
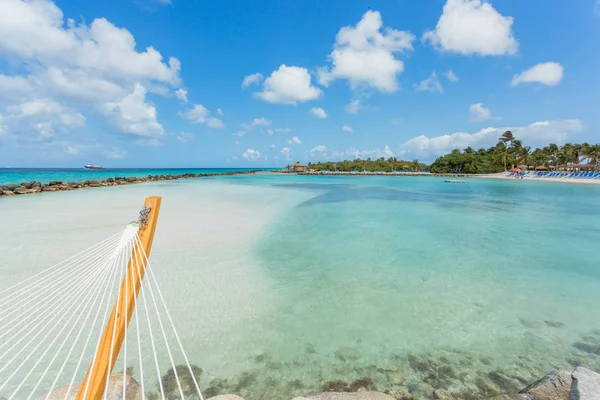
x: 297, y: 167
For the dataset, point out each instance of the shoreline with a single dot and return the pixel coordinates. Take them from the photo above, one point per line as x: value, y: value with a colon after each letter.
x: 13, y: 189
x: 502, y: 175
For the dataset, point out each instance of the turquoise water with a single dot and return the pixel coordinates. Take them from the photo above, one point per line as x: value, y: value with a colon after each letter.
x: 281, y: 285
x: 45, y: 175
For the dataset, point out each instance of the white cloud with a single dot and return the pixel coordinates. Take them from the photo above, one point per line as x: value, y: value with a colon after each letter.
x: 220, y: 112
x: 477, y: 112
x: 318, y: 112
x: 252, y: 80
x: 184, y: 137
x: 354, y: 106
x: 198, y: 114
x: 215, y: 123
x: 322, y: 154
x: 257, y: 122
x: 286, y: 151
x: 347, y: 128
x: 536, y: 134
x: 288, y: 85
x: 431, y: 84
x: 239, y: 134
x: 85, y: 68
x: 115, y: 153
x: 133, y: 115
x: 251, y: 155
x: 181, y: 94
x: 451, y: 76
x: 549, y: 74
x: 295, y: 140
x: 283, y: 130
x: 364, y: 54
x: 473, y: 27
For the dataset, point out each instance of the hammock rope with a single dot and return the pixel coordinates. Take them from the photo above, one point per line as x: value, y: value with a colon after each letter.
x: 49, y: 322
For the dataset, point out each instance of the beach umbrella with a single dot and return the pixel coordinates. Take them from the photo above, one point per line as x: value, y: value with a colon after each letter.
x: 514, y: 170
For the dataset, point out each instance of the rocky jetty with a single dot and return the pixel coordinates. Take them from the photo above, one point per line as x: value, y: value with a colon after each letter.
x: 59, y: 186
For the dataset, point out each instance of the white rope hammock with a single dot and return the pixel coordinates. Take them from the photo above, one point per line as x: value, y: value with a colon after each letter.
x: 51, y: 325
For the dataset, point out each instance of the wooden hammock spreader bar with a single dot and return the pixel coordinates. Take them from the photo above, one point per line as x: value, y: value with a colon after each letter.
x: 109, y: 346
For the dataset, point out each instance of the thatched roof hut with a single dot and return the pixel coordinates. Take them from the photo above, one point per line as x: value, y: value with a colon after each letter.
x: 297, y: 167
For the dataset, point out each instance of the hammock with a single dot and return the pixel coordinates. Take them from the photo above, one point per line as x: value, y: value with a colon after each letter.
x: 57, y: 324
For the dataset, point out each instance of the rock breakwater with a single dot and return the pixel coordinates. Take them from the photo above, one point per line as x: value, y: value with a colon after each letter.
x: 59, y: 186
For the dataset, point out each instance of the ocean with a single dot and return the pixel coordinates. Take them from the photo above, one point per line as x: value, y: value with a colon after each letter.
x: 45, y: 175
x: 283, y: 285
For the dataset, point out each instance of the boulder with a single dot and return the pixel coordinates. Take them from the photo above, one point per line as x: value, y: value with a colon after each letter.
x: 35, y: 189
x: 133, y: 390
x: 513, y: 397
x: 586, y: 385
x: 110, y: 180
x: 554, y: 386
x: 226, y: 397
x: 347, y: 396
x: 131, y: 179
x: 20, y: 190
x: 7, y: 193
x: 12, y: 186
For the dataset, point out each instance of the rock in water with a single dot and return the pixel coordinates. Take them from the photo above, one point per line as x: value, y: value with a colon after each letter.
x: 554, y: 386
x: 226, y: 397
x: 586, y: 385
x: 347, y: 396
x: 115, y: 390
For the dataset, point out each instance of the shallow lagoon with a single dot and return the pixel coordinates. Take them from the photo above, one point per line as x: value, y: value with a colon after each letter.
x: 280, y: 284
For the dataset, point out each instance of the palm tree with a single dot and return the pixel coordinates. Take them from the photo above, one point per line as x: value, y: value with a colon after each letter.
x: 505, y: 138
x: 415, y: 165
x: 592, y: 152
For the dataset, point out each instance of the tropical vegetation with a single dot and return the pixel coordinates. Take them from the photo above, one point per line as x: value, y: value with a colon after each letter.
x: 509, y: 152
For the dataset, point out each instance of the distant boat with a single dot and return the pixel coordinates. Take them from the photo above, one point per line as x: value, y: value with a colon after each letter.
x: 454, y: 181
x: 91, y: 166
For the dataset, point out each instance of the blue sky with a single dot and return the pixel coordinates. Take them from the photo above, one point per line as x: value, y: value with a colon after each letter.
x: 158, y: 83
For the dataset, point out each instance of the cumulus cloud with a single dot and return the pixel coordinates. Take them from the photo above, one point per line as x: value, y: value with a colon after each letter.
x: 184, y: 137
x: 549, y: 74
x: 354, y: 106
x: 199, y: 114
x: 347, y: 128
x: 318, y: 112
x: 287, y: 152
x: 451, y: 76
x: 251, y: 155
x: 365, y: 54
x: 181, y: 94
x: 536, y: 134
x: 473, y: 27
x: 295, y: 140
x: 431, y: 84
x: 322, y: 154
x: 239, y: 134
x: 85, y: 68
x: 220, y: 112
x: 257, y: 122
x: 477, y: 112
x: 253, y: 79
x: 134, y: 116
x: 288, y: 85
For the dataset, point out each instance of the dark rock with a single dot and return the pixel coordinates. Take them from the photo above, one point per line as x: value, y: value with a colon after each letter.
x: 20, y: 190
x: 12, y: 186
x: 94, y: 185
x: 186, y: 380
x: 505, y: 384
x: 110, y: 180
x: 226, y: 397
x: 131, y: 179
x: 346, y: 353
x: 588, y: 347
x: 555, y: 324
x: 335, y: 386
x: 364, y: 383
x: 554, y: 386
x: 586, y: 385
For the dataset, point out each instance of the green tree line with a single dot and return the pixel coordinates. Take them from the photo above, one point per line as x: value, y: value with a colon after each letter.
x: 508, y: 152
